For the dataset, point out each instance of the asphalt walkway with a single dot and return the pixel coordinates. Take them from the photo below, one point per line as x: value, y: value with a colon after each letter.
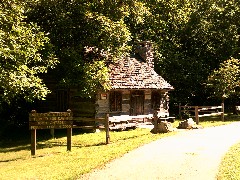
x: 190, y: 155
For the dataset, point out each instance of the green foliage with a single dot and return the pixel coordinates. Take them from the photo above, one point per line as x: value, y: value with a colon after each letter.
x: 192, y: 38
x: 96, y: 75
x: 230, y: 164
x: 79, y: 25
x: 24, y: 53
x: 225, y: 81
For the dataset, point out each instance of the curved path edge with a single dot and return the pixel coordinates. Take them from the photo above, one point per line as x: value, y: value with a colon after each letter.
x: 190, y: 155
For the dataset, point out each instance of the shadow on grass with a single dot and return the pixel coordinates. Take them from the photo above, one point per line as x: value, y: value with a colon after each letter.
x: 232, y: 117
x: 9, y: 160
x: 42, y: 145
x: 55, y: 144
x: 13, y: 140
x: 43, y: 142
x: 14, y: 147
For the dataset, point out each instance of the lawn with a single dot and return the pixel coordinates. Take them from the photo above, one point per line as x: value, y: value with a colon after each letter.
x: 89, y: 151
x: 230, y: 165
x: 52, y: 161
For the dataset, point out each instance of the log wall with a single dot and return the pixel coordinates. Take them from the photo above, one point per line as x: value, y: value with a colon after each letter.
x: 102, y: 105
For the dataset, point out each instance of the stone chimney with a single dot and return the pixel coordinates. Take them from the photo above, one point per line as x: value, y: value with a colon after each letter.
x: 144, y: 50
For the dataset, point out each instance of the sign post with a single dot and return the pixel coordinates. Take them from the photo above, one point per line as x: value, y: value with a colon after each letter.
x: 33, y: 142
x: 50, y: 120
x: 69, y: 139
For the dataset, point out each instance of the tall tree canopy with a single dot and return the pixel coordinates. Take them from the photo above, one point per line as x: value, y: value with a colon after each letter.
x: 191, y: 39
x: 24, y: 53
x: 87, y: 35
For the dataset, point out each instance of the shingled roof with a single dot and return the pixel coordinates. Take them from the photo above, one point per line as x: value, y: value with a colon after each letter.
x: 132, y: 73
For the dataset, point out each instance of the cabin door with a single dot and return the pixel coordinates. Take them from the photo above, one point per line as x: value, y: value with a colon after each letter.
x: 137, y: 103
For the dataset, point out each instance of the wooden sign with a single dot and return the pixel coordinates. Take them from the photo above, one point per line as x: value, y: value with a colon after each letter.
x: 50, y: 120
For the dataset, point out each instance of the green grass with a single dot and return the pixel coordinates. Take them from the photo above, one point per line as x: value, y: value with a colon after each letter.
x: 230, y: 165
x: 89, y: 151
x: 52, y: 161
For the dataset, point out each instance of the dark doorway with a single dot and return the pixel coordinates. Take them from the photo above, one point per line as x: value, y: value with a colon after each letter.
x: 137, y: 103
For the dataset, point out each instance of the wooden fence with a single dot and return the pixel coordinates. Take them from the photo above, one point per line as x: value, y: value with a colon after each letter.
x: 202, y: 111
x: 119, y: 124
x: 104, y: 121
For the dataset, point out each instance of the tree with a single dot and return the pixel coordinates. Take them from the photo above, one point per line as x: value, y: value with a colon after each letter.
x: 192, y: 38
x: 25, y: 52
x: 87, y: 36
x: 225, y: 81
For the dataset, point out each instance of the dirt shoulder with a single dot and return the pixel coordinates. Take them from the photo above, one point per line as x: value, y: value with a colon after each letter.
x: 194, y: 154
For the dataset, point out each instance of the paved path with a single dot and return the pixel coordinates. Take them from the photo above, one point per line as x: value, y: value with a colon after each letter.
x: 191, y: 155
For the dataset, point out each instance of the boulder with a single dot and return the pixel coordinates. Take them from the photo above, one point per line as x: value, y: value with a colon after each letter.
x: 188, y: 124
x: 163, y: 127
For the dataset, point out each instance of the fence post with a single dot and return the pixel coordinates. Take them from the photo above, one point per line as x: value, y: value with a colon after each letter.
x: 107, y: 129
x: 33, y: 135
x: 222, y: 115
x: 180, y: 109
x: 196, y: 115
x: 69, y: 132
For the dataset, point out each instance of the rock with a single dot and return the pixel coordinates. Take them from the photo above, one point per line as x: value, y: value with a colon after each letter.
x: 163, y: 127
x: 188, y: 124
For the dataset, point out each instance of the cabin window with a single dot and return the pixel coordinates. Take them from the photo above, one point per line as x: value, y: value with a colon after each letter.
x: 115, y: 101
x: 155, y: 100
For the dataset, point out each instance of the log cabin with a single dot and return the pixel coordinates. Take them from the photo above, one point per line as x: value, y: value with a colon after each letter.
x: 136, y: 89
